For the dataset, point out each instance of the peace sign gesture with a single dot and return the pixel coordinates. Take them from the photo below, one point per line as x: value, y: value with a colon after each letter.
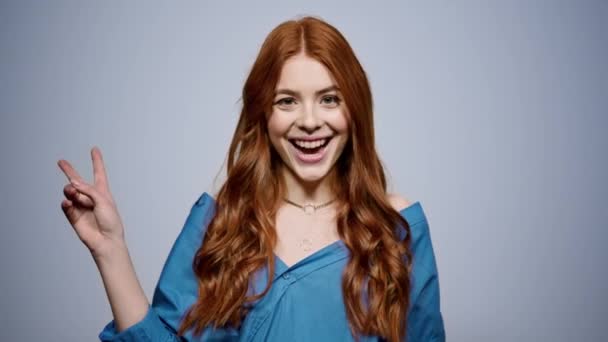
x: 90, y: 208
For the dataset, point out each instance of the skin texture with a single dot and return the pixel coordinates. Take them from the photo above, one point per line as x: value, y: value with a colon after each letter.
x: 314, y: 115
x: 307, y: 114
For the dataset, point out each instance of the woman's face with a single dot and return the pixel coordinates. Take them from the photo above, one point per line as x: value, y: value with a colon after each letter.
x: 308, y: 125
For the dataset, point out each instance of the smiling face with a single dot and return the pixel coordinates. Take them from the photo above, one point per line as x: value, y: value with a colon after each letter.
x: 308, y: 126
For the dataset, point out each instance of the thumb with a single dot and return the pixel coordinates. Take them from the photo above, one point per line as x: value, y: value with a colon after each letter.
x: 88, y: 190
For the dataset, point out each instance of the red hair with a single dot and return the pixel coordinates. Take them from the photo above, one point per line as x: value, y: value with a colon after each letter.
x: 241, y: 237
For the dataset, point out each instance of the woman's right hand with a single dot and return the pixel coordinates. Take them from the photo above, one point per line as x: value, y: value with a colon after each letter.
x: 90, y: 208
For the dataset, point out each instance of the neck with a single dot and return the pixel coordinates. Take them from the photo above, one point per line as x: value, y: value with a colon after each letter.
x: 300, y: 191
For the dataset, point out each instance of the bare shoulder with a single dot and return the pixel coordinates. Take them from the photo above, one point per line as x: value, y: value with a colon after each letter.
x: 399, y: 202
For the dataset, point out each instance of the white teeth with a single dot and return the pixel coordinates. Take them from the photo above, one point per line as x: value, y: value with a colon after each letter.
x: 310, y: 144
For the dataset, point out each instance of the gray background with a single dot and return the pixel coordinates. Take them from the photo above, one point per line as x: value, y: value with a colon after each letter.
x: 492, y: 115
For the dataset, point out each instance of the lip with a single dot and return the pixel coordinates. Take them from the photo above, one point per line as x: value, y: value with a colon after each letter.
x: 304, y: 158
x: 310, y: 138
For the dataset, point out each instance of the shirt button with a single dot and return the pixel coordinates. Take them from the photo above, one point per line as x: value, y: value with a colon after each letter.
x: 286, y: 276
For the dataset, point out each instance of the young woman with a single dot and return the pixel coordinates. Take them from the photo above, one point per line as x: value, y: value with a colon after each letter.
x: 302, y: 242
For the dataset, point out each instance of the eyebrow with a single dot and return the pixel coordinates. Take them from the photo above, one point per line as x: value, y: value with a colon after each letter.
x: 295, y: 93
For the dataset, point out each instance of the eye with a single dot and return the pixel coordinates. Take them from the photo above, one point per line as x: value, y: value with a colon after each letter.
x: 335, y: 99
x: 285, y: 100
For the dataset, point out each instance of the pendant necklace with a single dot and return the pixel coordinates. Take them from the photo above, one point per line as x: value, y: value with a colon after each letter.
x: 309, y: 208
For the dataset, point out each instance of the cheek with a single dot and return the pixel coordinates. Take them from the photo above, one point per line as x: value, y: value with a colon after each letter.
x: 274, y: 126
x: 277, y: 129
x: 339, y: 122
x: 279, y: 123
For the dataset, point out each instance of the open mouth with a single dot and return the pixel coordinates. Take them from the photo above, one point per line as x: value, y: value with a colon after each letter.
x: 310, y: 147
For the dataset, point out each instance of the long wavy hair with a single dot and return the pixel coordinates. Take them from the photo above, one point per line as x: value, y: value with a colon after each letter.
x: 241, y: 237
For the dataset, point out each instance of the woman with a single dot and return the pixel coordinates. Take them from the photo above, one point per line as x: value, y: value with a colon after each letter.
x: 302, y: 241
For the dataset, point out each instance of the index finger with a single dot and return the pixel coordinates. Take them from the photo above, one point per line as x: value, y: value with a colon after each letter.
x: 68, y: 170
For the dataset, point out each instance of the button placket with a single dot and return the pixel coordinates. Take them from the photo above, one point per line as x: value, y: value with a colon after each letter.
x: 282, y: 286
x: 289, y: 278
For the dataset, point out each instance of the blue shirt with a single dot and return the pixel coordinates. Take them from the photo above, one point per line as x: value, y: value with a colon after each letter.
x: 304, y: 303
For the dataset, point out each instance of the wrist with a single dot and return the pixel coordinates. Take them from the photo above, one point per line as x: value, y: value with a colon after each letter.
x: 114, y: 250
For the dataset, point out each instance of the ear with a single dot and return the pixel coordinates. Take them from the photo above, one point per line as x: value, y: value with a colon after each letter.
x: 398, y: 202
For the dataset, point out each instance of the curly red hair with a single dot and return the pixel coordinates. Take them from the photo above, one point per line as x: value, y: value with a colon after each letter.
x: 240, y: 238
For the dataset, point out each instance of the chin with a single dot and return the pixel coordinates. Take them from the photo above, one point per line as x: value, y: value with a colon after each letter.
x: 310, y: 176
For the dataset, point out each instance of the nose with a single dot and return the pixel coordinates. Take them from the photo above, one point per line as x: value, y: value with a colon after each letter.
x: 308, y: 119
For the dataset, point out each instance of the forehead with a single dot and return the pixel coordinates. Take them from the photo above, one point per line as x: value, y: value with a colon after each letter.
x: 304, y: 74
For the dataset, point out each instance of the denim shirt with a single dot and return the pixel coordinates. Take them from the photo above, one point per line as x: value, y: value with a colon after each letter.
x: 305, y: 300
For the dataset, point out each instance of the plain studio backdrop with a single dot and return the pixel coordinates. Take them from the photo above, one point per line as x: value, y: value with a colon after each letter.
x: 492, y: 115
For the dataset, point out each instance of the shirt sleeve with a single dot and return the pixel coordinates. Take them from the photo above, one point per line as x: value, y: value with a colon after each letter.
x: 177, y: 288
x: 425, y: 320
x: 149, y: 329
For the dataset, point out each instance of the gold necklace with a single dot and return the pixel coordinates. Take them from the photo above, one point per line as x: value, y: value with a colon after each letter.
x: 309, y: 208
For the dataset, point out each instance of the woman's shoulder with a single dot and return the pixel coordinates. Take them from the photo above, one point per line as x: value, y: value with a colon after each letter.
x: 204, y: 199
x: 398, y: 201
x: 414, y: 214
x: 421, y: 241
x: 411, y: 210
